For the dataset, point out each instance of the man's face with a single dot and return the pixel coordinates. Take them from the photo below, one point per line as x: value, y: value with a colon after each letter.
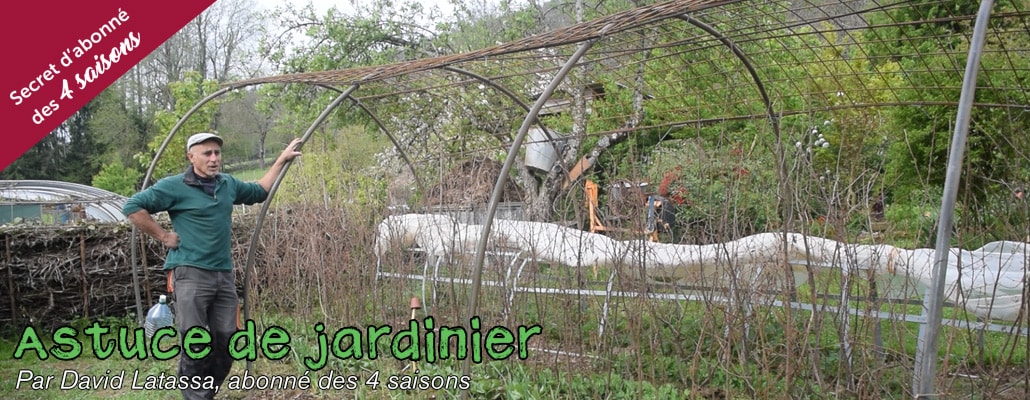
x: 206, y: 158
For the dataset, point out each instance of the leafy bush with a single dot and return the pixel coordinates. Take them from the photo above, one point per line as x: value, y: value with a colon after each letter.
x: 117, y: 178
x: 718, y: 192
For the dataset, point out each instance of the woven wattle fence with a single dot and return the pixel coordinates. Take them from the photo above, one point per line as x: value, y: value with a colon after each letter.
x: 54, y: 275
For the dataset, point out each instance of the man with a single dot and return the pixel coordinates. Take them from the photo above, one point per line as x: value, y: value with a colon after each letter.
x: 200, y: 202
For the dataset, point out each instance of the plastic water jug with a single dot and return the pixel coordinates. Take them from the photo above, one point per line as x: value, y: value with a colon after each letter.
x: 159, y: 316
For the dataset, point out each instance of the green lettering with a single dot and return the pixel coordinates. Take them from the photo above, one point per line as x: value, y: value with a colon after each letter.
x: 499, y: 336
x: 352, y: 351
x: 430, y: 344
x: 97, y: 331
x: 197, y: 342
x: 477, y: 345
x: 249, y: 350
x: 66, y: 344
x: 445, y: 336
x: 155, y: 344
x: 524, y: 335
x: 373, y: 339
x: 323, y: 351
x: 139, y: 344
x: 275, y: 343
x: 411, y: 351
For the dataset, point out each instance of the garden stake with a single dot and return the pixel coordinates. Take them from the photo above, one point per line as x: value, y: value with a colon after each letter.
x: 415, y: 305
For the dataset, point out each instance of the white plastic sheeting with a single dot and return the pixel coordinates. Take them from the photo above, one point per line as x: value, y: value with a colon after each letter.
x: 989, y: 281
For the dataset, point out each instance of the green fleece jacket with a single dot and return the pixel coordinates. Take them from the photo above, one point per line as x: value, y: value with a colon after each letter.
x: 202, y: 221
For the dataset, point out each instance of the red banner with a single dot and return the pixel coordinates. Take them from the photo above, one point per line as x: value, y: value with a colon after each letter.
x: 60, y: 56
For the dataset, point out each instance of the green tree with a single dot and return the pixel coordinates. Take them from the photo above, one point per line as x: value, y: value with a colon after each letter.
x: 70, y: 153
x: 85, y: 152
x: 924, y: 50
x: 122, y: 128
x: 187, y: 93
x: 44, y: 160
x: 337, y: 169
x: 118, y: 178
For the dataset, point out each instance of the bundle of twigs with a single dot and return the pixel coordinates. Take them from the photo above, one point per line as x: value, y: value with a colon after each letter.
x: 54, y: 275
x: 471, y: 182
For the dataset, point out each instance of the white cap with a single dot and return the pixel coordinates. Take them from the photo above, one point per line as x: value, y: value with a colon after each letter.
x: 162, y: 299
x: 202, y: 137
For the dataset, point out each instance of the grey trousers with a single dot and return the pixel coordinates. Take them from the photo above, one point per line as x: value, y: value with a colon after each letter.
x: 207, y: 299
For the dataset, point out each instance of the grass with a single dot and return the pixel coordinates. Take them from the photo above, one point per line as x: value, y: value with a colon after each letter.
x: 248, y: 175
x: 669, y: 351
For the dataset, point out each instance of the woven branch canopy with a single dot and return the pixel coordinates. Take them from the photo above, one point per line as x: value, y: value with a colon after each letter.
x: 765, y: 60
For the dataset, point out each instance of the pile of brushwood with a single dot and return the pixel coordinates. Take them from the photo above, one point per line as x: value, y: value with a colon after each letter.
x: 53, y: 275
x: 472, y: 182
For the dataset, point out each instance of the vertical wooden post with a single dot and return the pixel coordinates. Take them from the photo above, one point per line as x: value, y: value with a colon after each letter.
x: 10, y: 279
x: 85, y: 279
x: 146, y: 274
x: 415, y: 305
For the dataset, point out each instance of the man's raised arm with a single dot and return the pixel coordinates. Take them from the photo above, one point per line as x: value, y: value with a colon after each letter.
x: 288, y: 154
